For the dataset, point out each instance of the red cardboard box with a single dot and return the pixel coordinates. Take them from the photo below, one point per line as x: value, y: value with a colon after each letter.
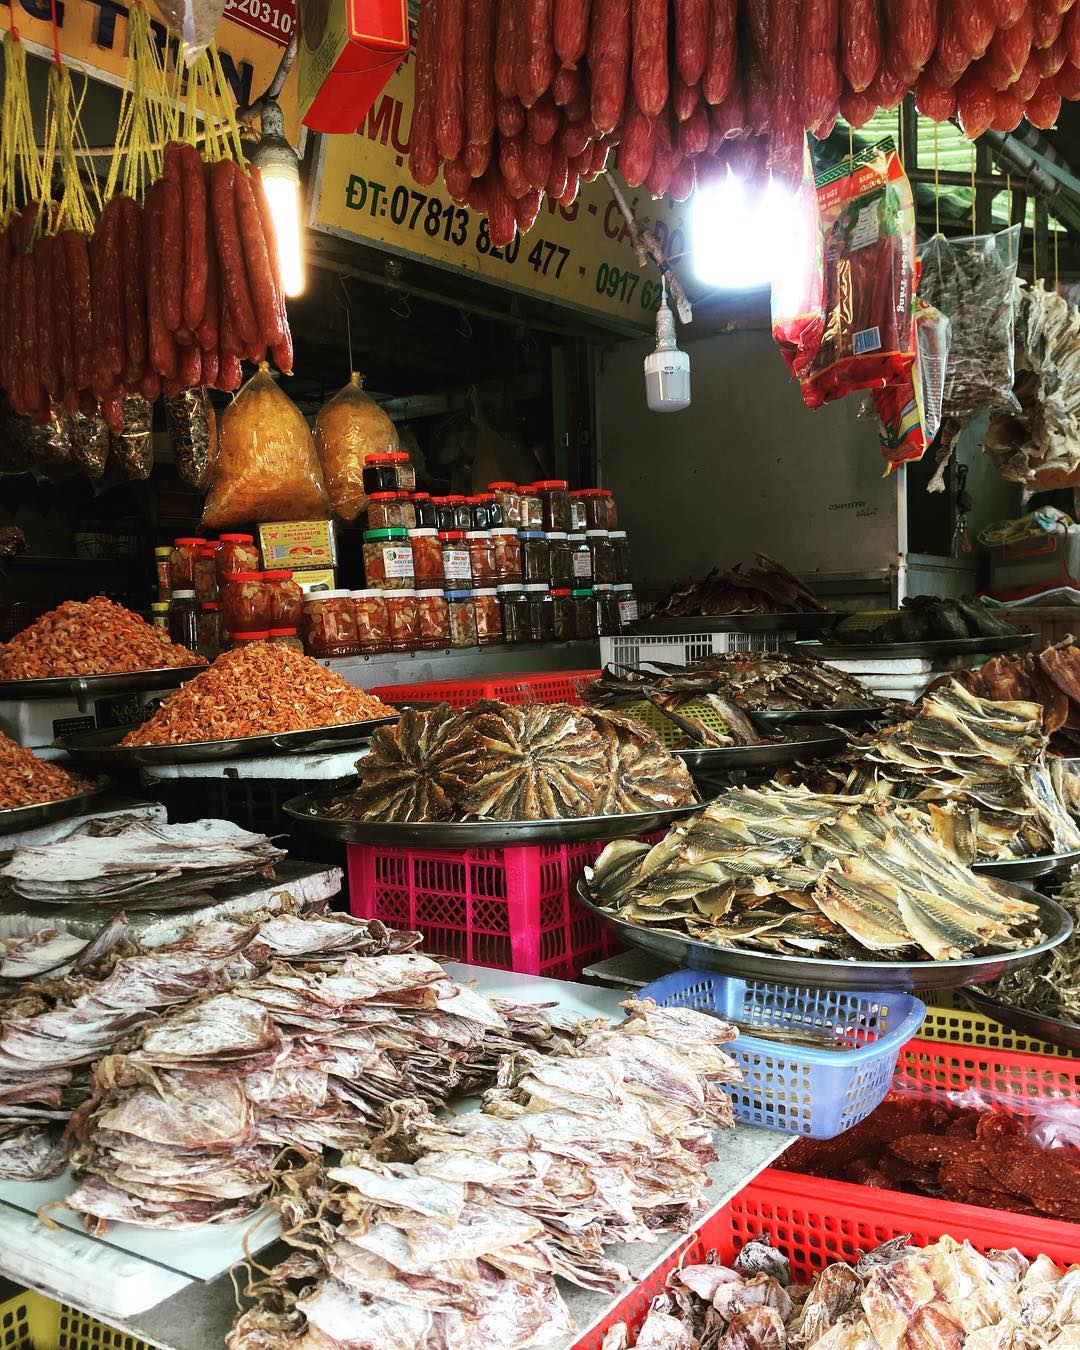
x: 348, y: 50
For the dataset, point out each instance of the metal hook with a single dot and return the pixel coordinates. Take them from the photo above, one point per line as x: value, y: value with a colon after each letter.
x: 464, y: 326
x: 348, y: 320
x: 405, y: 311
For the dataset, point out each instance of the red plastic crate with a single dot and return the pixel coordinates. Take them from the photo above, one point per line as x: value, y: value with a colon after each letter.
x: 550, y: 686
x: 937, y: 1066
x: 511, y: 908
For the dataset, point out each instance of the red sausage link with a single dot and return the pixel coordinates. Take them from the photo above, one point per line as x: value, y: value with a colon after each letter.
x: 649, y: 63
x: 819, y: 77
x: 46, y: 294
x: 134, y: 280
x: 257, y: 261
x: 537, y: 51
x: 506, y: 44
x: 723, y: 52
x: 609, y: 59
x: 230, y: 251
x: 77, y: 273
x: 171, y: 279
x: 423, y: 156
x: 190, y: 369
x: 194, y: 186
x: 161, y: 345
x: 479, y: 76
x: 692, y: 38
x: 860, y: 42
x: 571, y: 31
x: 450, y: 78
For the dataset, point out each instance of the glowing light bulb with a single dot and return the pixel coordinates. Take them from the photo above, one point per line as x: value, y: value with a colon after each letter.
x: 740, y: 234
x: 280, y: 171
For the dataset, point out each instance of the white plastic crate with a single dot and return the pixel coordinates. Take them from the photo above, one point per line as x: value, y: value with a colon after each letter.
x: 682, y: 648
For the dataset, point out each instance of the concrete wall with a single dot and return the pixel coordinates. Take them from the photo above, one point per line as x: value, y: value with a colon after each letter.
x: 745, y: 467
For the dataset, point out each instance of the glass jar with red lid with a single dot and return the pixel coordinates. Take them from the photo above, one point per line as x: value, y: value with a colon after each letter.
x: 209, y: 628
x: 407, y: 510
x: 508, y: 498
x: 402, y: 609
x: 182, y: 562
x: 424, y: 506
x: 493, y: 507
x: 427, y: 558
x: 444, y: 514
x: 236, y: 553
x: 246, y: 639
x: 611, y: 511
x: 204, y: 573
x: 461, y: 509
x: 507, y: 546
x: 457, y: 564
x: 481, y: 557
x: 384, y: 511
x: 286, y: 599
x: 406, y: 474
x: 372, y: 622
x: 489, y: 629
x: 578, y: 519
x: 563, y: 602
x: 379, y: 474
x: 532, y: 510
x: 478, y: 509
x: 328, y: 624
x: 462, y: 616
x: 555, y: 503
x: 286, y: 637
x: 434, y: 615
x: 245, y: 603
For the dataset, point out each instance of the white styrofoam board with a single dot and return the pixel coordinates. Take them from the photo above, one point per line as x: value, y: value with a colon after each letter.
x: 572, y: 1001
x: 901, y: 665
x: 60, y: 829
x: 325, y: 766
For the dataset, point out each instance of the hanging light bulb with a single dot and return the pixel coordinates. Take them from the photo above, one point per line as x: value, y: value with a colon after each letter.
x: 667, y: 370
x: 279, y: 166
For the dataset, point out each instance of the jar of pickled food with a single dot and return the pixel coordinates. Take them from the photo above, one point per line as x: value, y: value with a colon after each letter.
x: 508, y: 499
x: 560, y: 563
x: 236, y: 553
x: 427, y: 557
x: 532, y: 511
x: 577, y: 512
x: 161, y: 569
x: 620, y: 556
x: 461, y: 615
x: 286, y: 599
x: 372, y: 622
x: 424, y: 506
x: 384, y: 511
x: 407, y: 509
x: 204, y: 572
x: 210, y: 632
x: 434, y: 616
x: 627, y: 606
x: 182, y: 563
x: 457, y: 566
x: 403, y: 466
x: 610, y: 511
x: 184, y: 618
x: 541, y: 612
x: 159, y: 615
x: 404, y: 614
x: 328, y: 624
x: 245, y: 603
x: 379, y: 474
x: 481, y: 557
x: 388, y: 560
x: 246, y: 639
x: 585, y: 627
x: 555, y: 503
x: 507, y: 546
x: 489, y: 629
x: 462, y: 511
x: 514, y: 603
x: 563, y: 601
x: 286, y: 637
x: 580, y: 559
x: 444, y: 514
x: 478, y: 509
x: 494, y: 510
x: 534, y: 556
x: 602, y: 562
x: 607, y: 611
x: 595, y: 508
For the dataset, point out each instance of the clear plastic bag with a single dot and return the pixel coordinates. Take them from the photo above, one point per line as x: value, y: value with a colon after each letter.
x: 89, y: 438
x: 798, y: 296
x: 267, y: 468
x: 1047, y: 1122
x: 194, y: 22
x: 972, y: 282
x: 28, y: 446
x: 133, y: 448
x: 910, y: 414
x: 348, y: 427
x: 193, y: 435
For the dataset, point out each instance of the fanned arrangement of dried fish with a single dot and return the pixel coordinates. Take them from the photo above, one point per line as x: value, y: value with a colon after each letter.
x: 182, y: 1129
x: 976, y: 766
x: 895, y: 1297
x: 501, y: 761
x: 1051, y: 679
x: 458, y: 1244
x: 1051, y: 985
x: 768, y: 588
x: 54, y: 1027
x: 787, y: 871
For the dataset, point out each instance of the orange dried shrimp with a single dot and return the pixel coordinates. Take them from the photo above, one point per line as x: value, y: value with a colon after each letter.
x: 26, y: 780
x: 89, y: 637
x: 256, y: 690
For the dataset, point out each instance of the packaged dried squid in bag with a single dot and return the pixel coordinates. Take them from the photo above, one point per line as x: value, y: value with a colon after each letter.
x: 89, y: 437
x: 909, y: 414
x: 349, y: 427
x: 133, y: 447
x: 194, y: 22
x: 193, y: 433
x: 27, y: 446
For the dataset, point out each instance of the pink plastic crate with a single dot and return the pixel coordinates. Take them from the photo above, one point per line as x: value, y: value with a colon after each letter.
x: 553, y: 686
x: 511, y: 908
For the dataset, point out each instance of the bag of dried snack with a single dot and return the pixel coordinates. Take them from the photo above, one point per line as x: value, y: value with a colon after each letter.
x: 347, y: 429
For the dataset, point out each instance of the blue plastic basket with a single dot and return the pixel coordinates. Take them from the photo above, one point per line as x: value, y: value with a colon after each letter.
x: 797, y: 1089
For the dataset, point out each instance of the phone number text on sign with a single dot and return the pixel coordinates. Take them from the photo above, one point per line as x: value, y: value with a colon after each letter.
x: 273, y: 19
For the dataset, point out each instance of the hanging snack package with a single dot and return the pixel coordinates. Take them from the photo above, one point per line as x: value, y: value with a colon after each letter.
x: 89, y: 438
x: 193, y: 435
x: 133, y: 446
x: 194, y: 22
x: 798, y: 313
x: 909, y: 414
x: 972, y: 282
x: 868, y: 227
x: 267, y: 468
x: 349, y: 427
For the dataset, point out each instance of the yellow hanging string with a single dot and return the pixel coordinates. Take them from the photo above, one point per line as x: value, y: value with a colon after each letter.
x: 146, y: 112
x: 937, y: 186
x: 20, y: 163
x: 77, y: 207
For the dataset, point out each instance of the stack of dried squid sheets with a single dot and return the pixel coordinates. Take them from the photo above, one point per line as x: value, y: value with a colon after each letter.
x: 787, y: 871
x: 54, y: 1026
x: 182, y: 1129
x: 605, y: 1141
x: 979, y: 769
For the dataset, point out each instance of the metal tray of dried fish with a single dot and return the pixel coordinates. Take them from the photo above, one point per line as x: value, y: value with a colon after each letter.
x: 771, y: 754
x: 92, y: 686
x: 872, y: 651
x: 1050, y: 1029
x: 102, y: 747
x: 675, y: 949
x: 798, y: 622
x: 310, y: 810
x: 840, y: 717
x: 14, y: 818
x: 1025, y: 869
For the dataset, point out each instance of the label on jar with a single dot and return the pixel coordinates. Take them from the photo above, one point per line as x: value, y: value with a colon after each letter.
x: 398, y: 560
x: 456, y: 564
x: 582, y: 565
x: 628, y: 611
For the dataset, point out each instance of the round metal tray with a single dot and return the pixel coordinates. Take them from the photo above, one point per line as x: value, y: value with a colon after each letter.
x: 712, y: 758
x: 91, y: 686
x: 1024, y: 869
x: 480, y: 833
x: 103, y: 748
x: 840, y: 717
x: 799, y: 622
x: 677, y: 950
x: 872, y: 651
x: 1053, y: 1030
x: 41, y: 813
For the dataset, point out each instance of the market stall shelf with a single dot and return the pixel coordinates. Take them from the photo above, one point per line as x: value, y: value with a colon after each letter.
x: 15, y: 818
x: 1053, y: 1030
x: 712, y: 759
x: 969, y: 646
x: 1026, y: 869
x: 839, y: 717
x: 104, y: 748
x: 678, y: 950
x: 93, y: 686
x: 795, y: 622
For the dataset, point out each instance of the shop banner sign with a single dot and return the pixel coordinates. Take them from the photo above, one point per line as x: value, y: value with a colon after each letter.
x: 579, y: 255
x: 93, y: 38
